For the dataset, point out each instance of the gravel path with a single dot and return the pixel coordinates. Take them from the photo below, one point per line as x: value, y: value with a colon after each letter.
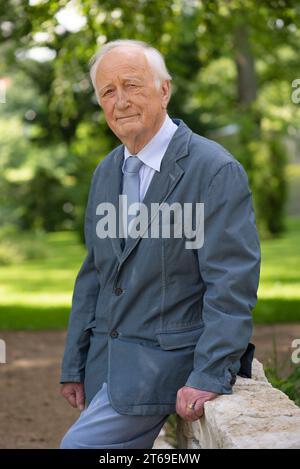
x: 32, y: 412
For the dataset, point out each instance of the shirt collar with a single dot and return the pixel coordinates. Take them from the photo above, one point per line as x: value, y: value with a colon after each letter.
x: 152, y: 153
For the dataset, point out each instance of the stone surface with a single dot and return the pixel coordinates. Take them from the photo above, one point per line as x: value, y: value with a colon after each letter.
x: 160, y: 442
x: 256, y: 415
x: 33, y: 414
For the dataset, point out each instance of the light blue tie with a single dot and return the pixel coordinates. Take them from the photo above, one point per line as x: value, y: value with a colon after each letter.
x: 131, y: 186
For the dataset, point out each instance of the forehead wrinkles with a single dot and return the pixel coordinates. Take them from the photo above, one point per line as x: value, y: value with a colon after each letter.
x: 116, y: 65
x: 118, y: 71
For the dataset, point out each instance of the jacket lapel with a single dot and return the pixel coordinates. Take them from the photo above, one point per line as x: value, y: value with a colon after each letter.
x: 113, y: 190
x: 161, y: 186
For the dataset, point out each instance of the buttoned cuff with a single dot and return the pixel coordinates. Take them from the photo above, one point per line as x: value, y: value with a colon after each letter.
x: 209, y: 383
x: 71, y: 378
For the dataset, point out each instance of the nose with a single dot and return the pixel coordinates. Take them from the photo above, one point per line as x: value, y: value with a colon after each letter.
x: 121, y: 100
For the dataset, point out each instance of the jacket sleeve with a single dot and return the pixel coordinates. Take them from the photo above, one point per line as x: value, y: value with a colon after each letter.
x: 84, y: 300
x: 229, y: 263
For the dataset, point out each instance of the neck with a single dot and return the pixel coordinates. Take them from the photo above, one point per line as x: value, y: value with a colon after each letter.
x: 136, y: 143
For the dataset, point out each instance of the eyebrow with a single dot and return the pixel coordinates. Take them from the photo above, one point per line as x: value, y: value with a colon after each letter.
x: 104, y: 88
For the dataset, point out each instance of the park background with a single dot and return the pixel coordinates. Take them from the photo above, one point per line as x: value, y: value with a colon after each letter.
x: 233, y: 65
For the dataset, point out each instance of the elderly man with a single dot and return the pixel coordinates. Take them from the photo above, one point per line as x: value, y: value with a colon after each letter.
x: 156, y: 326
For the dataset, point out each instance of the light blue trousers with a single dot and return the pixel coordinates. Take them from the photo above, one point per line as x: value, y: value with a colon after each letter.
x: 100, y: 426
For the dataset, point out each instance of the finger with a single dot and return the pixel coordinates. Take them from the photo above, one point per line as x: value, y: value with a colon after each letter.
x: 188, y: 413
x: 184, y: 411
x: 179, y: 403
x: 189, y: 417
x: 199, y: 409
x: 182, y: 405
x: 71, y: 398
x: 191, y: 414
x: 80, y: 399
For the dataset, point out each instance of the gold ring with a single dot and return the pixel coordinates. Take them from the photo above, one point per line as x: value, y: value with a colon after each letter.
x: 191, y: 406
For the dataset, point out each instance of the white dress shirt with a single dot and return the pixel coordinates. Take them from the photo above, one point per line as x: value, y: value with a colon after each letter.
x: 152, y: 154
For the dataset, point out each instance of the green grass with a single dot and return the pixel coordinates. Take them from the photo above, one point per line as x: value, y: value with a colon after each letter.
x: 279, y: 290
x: 36, y: 293
x: 289, y: 385
x: 293, y: 178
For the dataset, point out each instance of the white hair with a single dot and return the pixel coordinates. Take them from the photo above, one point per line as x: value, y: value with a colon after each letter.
x: 153, y: 56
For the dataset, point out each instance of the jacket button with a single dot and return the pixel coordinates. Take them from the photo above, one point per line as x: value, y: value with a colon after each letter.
x: 118, y: 291
x: 114, y: 334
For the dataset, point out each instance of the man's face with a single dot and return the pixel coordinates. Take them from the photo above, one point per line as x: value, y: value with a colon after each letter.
x: 132, y: 105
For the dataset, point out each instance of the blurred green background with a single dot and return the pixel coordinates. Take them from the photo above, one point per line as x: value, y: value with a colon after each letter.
x: 233, y: 64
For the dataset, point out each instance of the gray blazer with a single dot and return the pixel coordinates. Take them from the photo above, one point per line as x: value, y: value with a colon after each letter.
x: 157, y: 316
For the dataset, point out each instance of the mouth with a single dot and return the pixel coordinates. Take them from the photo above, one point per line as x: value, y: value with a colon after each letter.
x: 126, y: 117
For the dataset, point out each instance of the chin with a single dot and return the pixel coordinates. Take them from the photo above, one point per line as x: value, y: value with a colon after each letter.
x: 128, y: 126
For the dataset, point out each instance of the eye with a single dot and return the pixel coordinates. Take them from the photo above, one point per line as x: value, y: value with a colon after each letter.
x: 107, y: 92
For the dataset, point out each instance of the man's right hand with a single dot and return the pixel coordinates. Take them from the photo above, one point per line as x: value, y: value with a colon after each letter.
x: 74, y: 393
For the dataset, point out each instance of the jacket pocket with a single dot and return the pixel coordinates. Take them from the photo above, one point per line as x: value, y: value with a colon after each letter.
x: 170, y: 340
x: 143, y: 375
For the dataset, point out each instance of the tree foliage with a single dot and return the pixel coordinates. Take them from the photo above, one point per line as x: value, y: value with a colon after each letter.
x: 232, y: 64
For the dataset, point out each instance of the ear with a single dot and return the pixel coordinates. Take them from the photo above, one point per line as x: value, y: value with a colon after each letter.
x: 165, y: 93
